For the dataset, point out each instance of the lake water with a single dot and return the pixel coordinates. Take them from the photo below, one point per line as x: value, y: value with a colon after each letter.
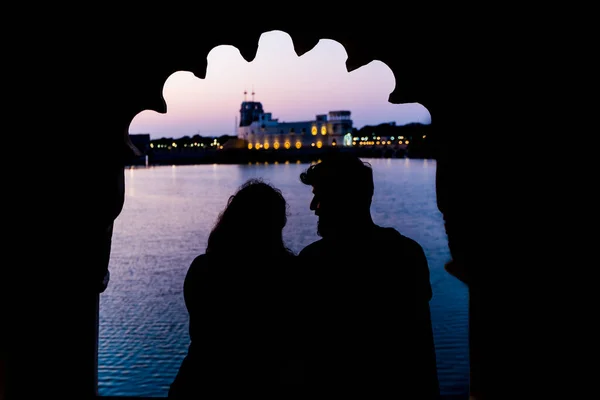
x: 166, y: 218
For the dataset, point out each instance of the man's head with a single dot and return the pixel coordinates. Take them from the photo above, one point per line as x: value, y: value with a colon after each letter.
x: 342, y: 185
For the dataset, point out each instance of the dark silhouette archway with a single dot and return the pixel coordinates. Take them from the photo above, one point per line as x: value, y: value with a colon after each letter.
x: 90, y: 81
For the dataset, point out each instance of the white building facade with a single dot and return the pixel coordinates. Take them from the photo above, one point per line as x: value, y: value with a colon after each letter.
x: 259, y: 130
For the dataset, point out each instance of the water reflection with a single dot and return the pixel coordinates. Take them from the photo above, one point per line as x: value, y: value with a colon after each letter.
x: 166, y: 218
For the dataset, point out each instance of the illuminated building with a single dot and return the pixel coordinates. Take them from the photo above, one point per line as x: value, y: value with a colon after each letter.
x: 259, y: 130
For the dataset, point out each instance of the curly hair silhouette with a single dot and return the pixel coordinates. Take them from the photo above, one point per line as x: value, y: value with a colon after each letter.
x: 253, y: 220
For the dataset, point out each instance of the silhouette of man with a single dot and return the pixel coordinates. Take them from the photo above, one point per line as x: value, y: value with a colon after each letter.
x: 369, y: 289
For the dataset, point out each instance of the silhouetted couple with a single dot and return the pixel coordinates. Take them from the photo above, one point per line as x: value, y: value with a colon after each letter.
x: 348, y: 315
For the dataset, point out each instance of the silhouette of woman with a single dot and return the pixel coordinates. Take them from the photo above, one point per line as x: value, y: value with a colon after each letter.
x: 240, y: 295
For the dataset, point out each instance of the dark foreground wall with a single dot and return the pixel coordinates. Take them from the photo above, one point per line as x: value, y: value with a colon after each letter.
x: 83, y: 77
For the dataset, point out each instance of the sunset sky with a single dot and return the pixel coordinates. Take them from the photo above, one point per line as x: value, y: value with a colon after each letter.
x: 292, y: 88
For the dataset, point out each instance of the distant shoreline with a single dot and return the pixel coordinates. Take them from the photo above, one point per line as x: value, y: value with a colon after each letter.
x: 245, y: 156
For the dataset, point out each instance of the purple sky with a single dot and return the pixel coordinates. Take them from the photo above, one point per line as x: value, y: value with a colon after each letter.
x: 292, y: 88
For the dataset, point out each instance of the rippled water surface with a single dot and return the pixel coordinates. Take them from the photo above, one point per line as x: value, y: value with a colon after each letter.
x: 165, y: 222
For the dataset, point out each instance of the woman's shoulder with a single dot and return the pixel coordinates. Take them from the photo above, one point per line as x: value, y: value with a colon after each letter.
x: 201, y: 259
x: 199, y: 264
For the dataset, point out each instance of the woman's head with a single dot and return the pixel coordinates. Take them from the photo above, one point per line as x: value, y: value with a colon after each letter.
x: 254, y: 218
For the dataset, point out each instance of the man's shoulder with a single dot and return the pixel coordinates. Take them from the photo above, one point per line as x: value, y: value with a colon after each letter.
x: 388, y: 234
x: 314, y: 248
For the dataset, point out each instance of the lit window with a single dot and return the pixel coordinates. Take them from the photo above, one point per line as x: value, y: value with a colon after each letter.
x: 298, y: 145
x: 323, y: 130
x: 348, y: 139
x: 313, y: 130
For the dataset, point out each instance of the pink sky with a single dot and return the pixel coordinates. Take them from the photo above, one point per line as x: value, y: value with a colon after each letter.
x: 292, y: 88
